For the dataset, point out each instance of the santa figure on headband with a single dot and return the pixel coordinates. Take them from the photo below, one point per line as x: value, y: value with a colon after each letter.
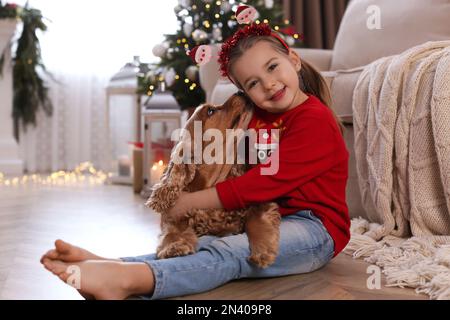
x: 246, y: 14
x: 201, y: 54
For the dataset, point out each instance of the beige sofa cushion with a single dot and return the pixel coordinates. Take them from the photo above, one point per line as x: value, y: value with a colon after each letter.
x: 318, y: 58
x: 404, y: 24
x: 341, y: 84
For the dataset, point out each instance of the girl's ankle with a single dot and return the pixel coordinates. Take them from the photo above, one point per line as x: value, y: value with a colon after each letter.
x: 138, y: 278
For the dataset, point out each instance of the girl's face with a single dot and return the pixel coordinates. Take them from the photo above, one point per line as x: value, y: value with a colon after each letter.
x: 269, y: 77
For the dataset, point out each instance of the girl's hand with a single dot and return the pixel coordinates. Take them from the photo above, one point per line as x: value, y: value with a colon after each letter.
x: 180, y: 208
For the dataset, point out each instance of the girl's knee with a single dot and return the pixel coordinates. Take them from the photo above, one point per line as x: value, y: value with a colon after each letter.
x: 323, y: 254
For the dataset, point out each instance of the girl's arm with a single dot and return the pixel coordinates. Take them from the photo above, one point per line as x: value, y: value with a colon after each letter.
x: 204, y: 199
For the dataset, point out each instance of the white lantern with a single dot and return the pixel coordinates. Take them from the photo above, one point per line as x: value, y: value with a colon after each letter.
x: 124, y: 121
x: 162, y: 116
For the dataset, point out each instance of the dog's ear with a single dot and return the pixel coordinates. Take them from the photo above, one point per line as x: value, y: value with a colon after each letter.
x: 174, y: 180
x: 181, y: 174
x: 167, y: 191
x: 183, y: 168
x: 166, y: 173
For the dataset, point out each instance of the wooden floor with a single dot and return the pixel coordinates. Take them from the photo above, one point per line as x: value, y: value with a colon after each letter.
x: 111, y: 221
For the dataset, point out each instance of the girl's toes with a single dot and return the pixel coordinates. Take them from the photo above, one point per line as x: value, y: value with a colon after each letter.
x: 63, y: 247
x: 63, y: 276
x: 47, y: 263
x: 56, y: 267
x: 51, y: 254
x: 60, y: 267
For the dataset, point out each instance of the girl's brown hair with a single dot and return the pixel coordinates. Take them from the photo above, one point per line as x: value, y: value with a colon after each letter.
x: 309, y: 78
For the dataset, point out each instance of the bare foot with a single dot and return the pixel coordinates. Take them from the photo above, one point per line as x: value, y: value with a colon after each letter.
x: 67, y: 252
x: 103, y: 279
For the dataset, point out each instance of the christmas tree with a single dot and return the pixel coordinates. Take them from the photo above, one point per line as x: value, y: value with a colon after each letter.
x: 202, y: 22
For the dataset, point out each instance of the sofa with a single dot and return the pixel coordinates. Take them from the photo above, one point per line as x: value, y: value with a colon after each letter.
x: 400, y: 25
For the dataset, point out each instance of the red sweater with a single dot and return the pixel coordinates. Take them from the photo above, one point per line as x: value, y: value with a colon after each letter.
x: 312, y: 172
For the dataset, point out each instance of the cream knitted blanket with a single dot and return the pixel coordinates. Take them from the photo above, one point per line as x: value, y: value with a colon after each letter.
x: 401, y: 111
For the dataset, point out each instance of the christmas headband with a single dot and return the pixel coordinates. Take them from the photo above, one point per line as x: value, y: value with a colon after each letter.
x: 244, y: 15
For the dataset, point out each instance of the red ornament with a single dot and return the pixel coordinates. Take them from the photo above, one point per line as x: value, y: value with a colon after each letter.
x: 11, y: 6
x: 290, y: 31
x: 139, y: 145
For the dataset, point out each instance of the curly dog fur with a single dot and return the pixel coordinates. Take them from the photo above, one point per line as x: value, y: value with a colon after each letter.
x: 260, y: 222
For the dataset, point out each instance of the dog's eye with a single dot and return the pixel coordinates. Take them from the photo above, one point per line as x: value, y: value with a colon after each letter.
x: 211, y: 111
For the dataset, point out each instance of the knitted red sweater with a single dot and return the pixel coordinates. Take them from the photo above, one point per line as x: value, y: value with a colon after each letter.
x: 312, y: 172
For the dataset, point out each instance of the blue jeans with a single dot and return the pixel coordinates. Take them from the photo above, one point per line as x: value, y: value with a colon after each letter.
x: 305, y: 246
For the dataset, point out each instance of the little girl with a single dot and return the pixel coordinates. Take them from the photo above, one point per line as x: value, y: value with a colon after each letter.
x: 309, y: 186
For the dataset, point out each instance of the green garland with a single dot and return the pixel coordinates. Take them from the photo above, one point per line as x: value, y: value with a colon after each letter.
x: 30, y: 93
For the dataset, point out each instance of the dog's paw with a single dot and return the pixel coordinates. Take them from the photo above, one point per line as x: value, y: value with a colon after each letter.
x: 262, y: 259
x: 175, y: 249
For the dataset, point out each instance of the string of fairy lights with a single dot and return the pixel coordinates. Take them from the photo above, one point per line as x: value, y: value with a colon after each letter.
x: 183, y: 42
x: 83, y: 174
